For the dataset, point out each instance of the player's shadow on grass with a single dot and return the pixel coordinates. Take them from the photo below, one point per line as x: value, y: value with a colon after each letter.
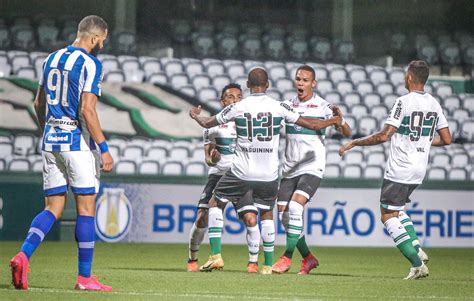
x: 3, y: 286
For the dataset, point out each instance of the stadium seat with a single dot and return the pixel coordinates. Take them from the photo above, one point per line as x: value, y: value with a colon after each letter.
x: 324, y: 86
x: 450, y: 55
x: 275, y: 94
x: 320, y: 49
x: 19, y: 164
x: 110, y: 64
x: 6, y: 149
x: 352, y: 98
x: 401, y: 90
x: 378, y: 76
x: 20, y: 61
x: 251, y: 48
x: 467, y: 129
x: 180, y: 31
x: 47, y: 36
x: 389, y: 100
x: 440, y: 160
x: 367, y: 125
x: 215, y: 68
x: 37, y: 166
x: 379, y: 111
x: 228, y: 46
x: 23, y: 38
x: 385, y: 88
x: 372, y: 99
x: 179, y: 80
x: 178, y: 154
x: 321, y: 72
x: 365, y: 87
x: 149, y: 168
x: 283, y: 84
x: 193, y: 68
x: 235, y: 70
x: 333, y: 157
x: 436, y: 173
x: 24, y: 145
x: 195, y: 169
x: 460, y: 160
x: 188, y: 90
x: 275, y: 48
x: 397, y: 76
x: 373, y: 172
x: 172, y: 169
x: 157, y: 153
x: 376, y: 158
x: 133, y: 153
x: 114, y: 77
x: 359, y: 110
x: 333, y: 97
x: 277, y: 72
x: 126, y: 167
x: 332, y: 171
x: 158, y: 78
x: 458, y: 174
x: 124, y: 42
x: 468, y: 103
x: 151, y: 66
x: 338, y: 74
x: 201, y: 81
x: 4, y: 38
x: 114, y: 151
x: 208, y: 94
x: 220, y: 81
x: 357, y: 75
x: 344, y: 52
x: 354, y: 157
x: 428, y: 53
x: 298, y: 49
x: 444, y: 90
x: 460, y: 114
x: 173, y: 67
x: 26, y: 72
x: 352, y: 171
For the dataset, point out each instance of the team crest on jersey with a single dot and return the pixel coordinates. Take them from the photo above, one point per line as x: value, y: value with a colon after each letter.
x: 113, y: 215
x: 297, y: 127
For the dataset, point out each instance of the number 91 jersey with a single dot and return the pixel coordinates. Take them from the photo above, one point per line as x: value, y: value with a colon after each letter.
x: 67, y: 73
x: 417, y: 116
x: 258, y: 119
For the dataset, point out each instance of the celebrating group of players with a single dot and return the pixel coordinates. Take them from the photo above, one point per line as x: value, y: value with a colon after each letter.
x: 241, y: 146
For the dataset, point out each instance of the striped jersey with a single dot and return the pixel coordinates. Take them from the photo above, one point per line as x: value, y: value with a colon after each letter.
x: 223, y: 137
x: 67, y: 73
x: 305, y: 152
x: 416, y: 116
x: 258, y: 119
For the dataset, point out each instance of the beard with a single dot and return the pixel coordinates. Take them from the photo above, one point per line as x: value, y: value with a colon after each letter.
x: 95, y: 50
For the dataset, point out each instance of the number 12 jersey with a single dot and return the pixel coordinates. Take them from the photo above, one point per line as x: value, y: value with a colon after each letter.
x: 417, y: 116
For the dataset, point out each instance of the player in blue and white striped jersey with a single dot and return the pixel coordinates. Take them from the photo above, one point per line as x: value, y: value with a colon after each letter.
x: 65, y: 107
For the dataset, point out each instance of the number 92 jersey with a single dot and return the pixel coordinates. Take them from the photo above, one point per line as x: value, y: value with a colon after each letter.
x: 258, y: 119
x: 417, y: 116
x: 67, y: 73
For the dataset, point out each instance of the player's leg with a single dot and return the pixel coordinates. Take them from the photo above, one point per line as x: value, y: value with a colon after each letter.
x: 199, y: 228
x: 84, y: 174
x: 265, y: 195
x: 392, y: 200
x: 408, y: 224
x: 249, y: 217
x: 55, y: 188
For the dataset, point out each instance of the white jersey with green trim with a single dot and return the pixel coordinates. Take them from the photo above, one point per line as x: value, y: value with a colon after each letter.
x: 223, y: 137
x: 305, y: 151
x: 417, y: 116
x: 258, y: 119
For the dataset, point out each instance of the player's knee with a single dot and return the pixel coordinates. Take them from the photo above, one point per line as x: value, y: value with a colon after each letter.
x: 295, y: 208
x: 250, y: 219
x: 202, y: 218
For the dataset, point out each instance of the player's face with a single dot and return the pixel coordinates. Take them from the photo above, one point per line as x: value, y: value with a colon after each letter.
x: 98, y: 42
x: 305, y: 84
x: 231, y: 95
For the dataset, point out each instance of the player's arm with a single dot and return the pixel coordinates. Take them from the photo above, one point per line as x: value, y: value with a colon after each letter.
x: 345, y: 128
x: 443, y: 139
x: 40, y: 107
x: 205, y: 122
x: 212, y: 154
x: 317, y: 124
x: 380, y: 137
x: 89, y: 102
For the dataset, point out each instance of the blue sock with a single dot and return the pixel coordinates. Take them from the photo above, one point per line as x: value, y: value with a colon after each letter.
x: 85, y: 234
x: 40, y: 226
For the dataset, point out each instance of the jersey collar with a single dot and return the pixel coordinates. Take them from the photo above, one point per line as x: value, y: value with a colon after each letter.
x: 72, y: 48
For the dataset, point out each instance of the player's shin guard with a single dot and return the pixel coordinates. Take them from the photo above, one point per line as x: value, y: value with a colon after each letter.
x: 408, y: 224
x: 253, y: 243
x: 85, y: 232
x: 402, y: 240
x: 216, y: 223
x: 196, y: 236
x: 295, y: 227
x: 40, y: 226
x: 268, y: 238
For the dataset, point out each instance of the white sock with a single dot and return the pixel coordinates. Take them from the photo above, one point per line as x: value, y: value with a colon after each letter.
x: 253, y: 242
x: 284, y: 218
x: 196, y: 236
x: 396, y: 230
x: 295, y: 223
x: 215, y: 223
x: 268, y: 235
x: 406, y: 221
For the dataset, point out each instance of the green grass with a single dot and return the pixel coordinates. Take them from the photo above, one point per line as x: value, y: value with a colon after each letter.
x: 157, y: 272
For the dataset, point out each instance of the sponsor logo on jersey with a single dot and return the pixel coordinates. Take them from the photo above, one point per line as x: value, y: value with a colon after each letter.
x: 60, y: 138
x: 113, y: 215
x: 286, y: 106
x: 398, y: 111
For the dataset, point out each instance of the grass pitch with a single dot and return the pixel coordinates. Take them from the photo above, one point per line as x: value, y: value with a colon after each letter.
x: 157, y: 272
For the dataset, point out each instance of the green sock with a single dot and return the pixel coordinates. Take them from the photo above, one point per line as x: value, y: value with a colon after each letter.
x: 291, y: 240
x: 215, y: 236
x: 303, y: 247
x: 268, y: 252
x: 410, y: 253
x: 408, y: 225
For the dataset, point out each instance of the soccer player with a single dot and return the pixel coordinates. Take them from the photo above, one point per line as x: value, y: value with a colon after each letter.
x: 255, y: 168
x: 219, y: 146
x: 411, y: 127
x: 303, y: 169
x: 65, y: 106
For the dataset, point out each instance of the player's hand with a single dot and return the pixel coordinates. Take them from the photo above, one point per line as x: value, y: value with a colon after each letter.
x: 336, y: 111
x: 107, y: 162
x: 195, y: 112
x: 345, y: 147
x: 338, y: 119
x: 215, y: 156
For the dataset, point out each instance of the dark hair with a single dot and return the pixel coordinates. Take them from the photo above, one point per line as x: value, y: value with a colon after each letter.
x: 258, y: 77
x: 230, y: 86
x: 92, y: 23
x: 307, y: 68
x: 419, y: 70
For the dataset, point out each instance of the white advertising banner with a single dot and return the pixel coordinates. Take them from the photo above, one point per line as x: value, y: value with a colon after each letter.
x: 164, y: 213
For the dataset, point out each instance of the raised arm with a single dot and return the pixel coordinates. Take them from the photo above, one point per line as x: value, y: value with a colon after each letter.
x: 89, y: 101
x: 40, y: 108
x: 345, y: 128
x: 205, y: 122
x: 380, y: 137
x: 443, y: 139
x: 317, y: 124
